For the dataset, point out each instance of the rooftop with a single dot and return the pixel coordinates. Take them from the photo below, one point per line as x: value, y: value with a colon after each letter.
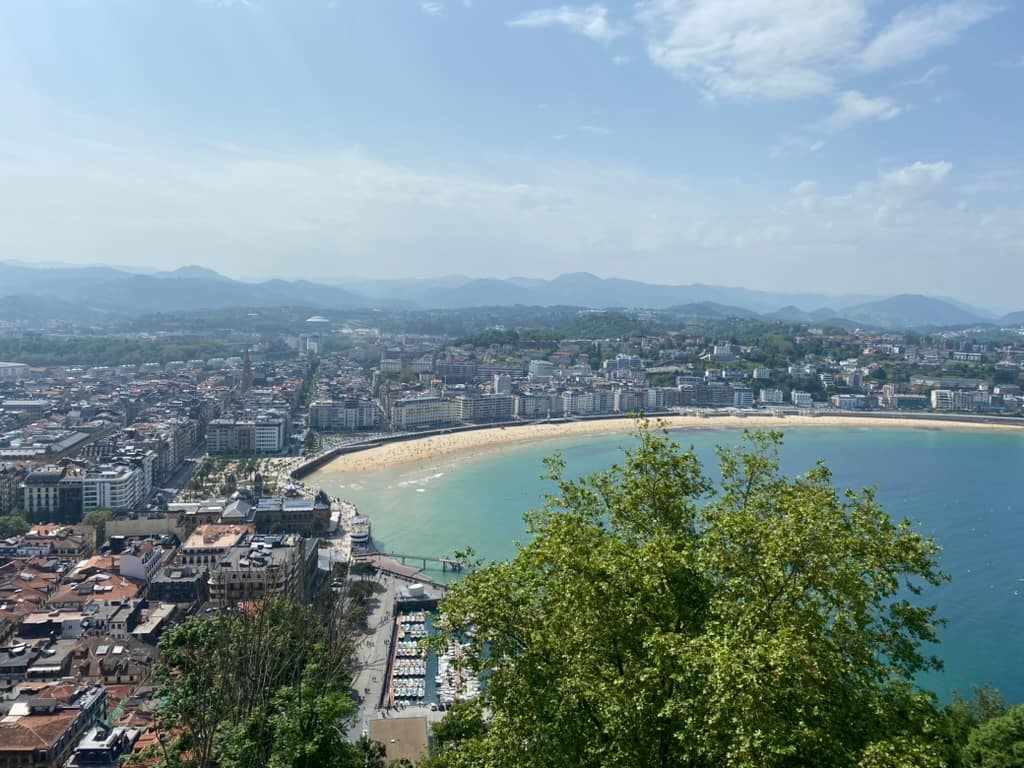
x: 217, y: 537
x: 402, y: 737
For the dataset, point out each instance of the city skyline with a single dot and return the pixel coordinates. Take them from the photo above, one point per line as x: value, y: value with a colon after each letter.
x: 775, y: 146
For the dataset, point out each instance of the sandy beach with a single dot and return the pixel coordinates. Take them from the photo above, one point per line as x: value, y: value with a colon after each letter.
x: 411, y: 451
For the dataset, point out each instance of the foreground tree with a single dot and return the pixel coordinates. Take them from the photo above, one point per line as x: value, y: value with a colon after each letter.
x: 998, y: 742
x: 656, y: 620
x: 263, y: 686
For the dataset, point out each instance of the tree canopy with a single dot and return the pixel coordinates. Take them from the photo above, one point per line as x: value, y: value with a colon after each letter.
x: 98, y: 518
x: 998, y: 742
x: 14, y: 524
x: 262, y: 685
x: 657, y: 618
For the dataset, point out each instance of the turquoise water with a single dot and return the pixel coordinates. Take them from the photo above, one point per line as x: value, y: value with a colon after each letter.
x: 966, y: 489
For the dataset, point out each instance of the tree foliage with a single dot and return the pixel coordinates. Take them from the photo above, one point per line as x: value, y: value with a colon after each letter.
x: 105, y: 350
x: 14, y: 524
x: 998, y: 742
x: 656, y: 618
x: 98, y: 518
x: 266, y: 686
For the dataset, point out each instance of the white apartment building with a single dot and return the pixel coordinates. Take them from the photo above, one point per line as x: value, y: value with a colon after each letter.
x: 266, y: 434
x: 271, y: 435
x: 537, y: 405
x: 13, y: 371
x: 942, y: 399
x: 742, y: 397
x: 586, y: 403
x: 541, y: 370
x: 351, y: 413
x: 801, y: 399
x: 770, y: 396
x: 118, y: 487
x: 415, y: 412
x: 484, y: 407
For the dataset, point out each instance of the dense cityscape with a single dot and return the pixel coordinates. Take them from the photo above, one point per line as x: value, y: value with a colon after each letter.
x: 464, y: 384
x: 136, y: 495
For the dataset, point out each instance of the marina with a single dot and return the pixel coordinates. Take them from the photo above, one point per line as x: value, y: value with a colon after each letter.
x: 419, y: 676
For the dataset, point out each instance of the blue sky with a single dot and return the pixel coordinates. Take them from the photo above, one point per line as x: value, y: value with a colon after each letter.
x: 836, y: 145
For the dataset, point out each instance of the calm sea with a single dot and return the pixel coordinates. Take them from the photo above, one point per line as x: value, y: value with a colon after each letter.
x: 965, y: 489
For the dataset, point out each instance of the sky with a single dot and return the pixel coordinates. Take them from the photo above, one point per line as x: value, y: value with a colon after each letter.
x: 829, y: 145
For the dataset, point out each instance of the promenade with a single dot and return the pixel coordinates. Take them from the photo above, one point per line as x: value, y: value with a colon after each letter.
x: 406, y: 449
x: 372, y: 651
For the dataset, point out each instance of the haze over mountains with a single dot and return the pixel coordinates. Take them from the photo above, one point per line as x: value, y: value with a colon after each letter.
x: 94, y: 292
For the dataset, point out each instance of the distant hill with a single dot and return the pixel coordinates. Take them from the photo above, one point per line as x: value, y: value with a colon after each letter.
x: 194, y: 272
x: 913, y: 311
x: 96, y: 292
x: 39, y: 309
x: 582, y: 289
x: 111, y: 291
x: 711, y: 310
x: 1014, y: 318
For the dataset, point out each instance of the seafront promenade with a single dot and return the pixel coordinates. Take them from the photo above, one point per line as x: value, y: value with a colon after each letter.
x: 381, y: 452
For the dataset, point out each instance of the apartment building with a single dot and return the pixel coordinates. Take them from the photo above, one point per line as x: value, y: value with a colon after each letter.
x: 266, y: 434
x: 342, y: 415
x: 41, y: 730
x: 118, y: 487
x: 261, y: 565
x: 483, y: 408
x: 419, y: 412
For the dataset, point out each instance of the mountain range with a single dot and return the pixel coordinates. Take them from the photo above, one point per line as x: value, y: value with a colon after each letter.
x: 95, y: 292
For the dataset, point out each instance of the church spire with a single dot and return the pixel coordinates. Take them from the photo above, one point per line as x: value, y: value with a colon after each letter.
x: 246, y: 383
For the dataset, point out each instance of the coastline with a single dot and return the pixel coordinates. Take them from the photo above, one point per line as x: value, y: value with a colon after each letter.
x: 411, y: 451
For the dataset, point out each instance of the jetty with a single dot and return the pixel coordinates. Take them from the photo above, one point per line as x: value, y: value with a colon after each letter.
x: 446, y: 563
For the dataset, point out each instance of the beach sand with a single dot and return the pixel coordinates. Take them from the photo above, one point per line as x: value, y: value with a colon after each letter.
x: 411, y: 451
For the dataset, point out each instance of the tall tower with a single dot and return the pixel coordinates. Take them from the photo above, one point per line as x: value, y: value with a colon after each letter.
x: 246, y: 384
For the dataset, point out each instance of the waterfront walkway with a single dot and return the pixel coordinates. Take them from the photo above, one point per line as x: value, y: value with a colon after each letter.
x: 374, y: 653
x: 373, y: 650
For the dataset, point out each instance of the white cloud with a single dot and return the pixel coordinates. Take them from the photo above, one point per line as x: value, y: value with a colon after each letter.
x: 621, y: 58
x: 918, y: 174
x: 774, y: 49
x: 805, y: 189
x: 788, y: 49
x: 590, y: 21
x: 336, y: 213
x: 853, y: 107
x: 434, y: 9
x: 598, y: 130
x: 806, y: 194
x: 928, y: 78
x: 914, y: 32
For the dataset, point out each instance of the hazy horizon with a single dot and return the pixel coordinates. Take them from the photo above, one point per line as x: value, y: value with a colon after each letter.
x: 792, y: 146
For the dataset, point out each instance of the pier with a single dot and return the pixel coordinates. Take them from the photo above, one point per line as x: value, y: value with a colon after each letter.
x: 446, y: 563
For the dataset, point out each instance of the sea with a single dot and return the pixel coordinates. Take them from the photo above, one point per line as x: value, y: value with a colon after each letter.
x: 963, y: 488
